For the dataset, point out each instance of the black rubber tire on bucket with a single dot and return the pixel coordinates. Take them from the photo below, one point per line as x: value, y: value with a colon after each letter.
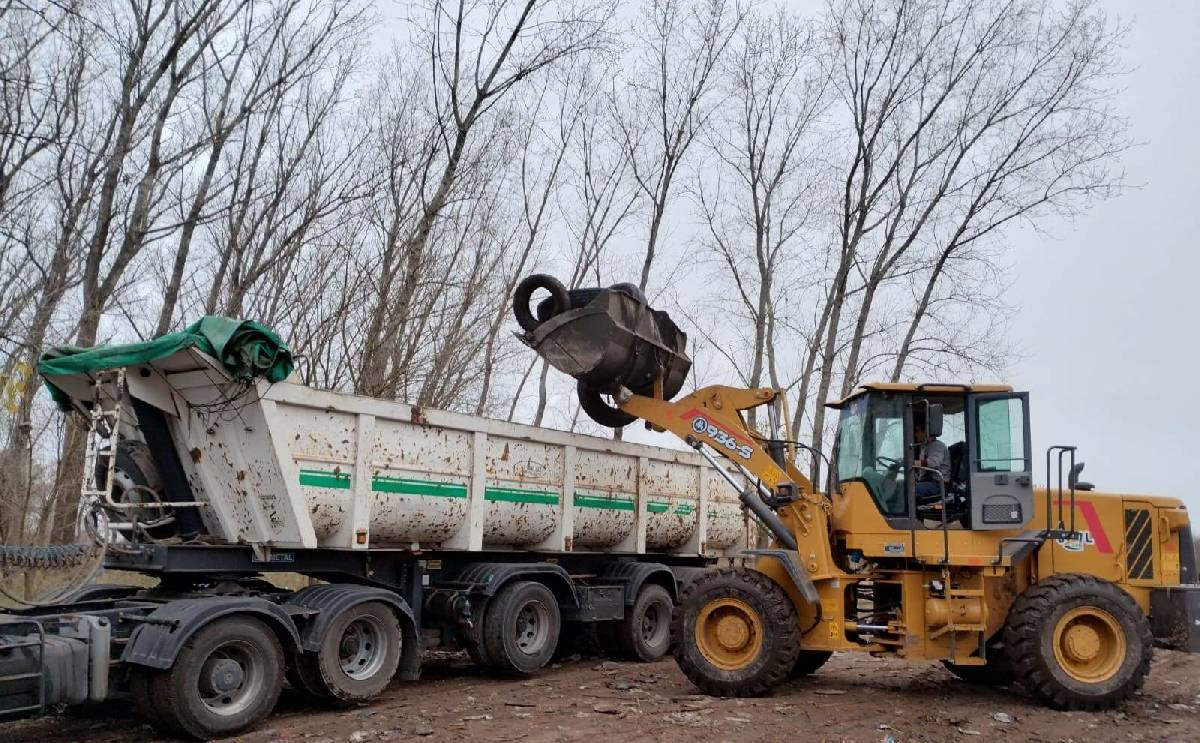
x: 181, y: 701
x: 524, y: 293
x: 645, y: 632
x: 598, y: 410
x: 1034, y: 630
x: 502, y: 625
x: 576, y: 298
x: 773, y: 642
x: 377, y: 630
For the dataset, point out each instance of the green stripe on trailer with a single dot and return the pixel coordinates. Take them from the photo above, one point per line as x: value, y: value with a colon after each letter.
x: 606, y: 502
x: 516, y: 495
x: 325, y: 479
x: 407, y: 486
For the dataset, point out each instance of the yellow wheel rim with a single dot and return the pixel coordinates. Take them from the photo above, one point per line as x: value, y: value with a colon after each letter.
x: 1089, y: 644
x: 729, y: 633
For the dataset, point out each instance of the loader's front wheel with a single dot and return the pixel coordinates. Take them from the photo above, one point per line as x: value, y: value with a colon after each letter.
x: 1078, y: 642
x: 735, y: 634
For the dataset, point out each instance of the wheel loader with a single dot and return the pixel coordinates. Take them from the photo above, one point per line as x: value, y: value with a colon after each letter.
x: 1062, y: 589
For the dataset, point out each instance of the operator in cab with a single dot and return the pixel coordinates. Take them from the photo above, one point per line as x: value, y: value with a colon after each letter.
x: 933, y: 454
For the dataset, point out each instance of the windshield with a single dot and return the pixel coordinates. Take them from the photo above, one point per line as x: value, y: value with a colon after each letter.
x: 870, y: 449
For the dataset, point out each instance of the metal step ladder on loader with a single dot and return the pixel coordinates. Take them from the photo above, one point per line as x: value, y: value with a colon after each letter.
x: 1062, y: 530
x: 1011, y: 549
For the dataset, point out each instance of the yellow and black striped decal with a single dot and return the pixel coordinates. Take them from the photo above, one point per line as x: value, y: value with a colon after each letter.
x: 1139, y: 548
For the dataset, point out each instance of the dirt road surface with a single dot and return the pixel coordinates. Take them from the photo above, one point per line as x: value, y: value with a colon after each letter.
x: 853, y: 698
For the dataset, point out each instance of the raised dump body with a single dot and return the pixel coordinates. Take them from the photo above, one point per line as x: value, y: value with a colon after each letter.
x: 286, y: 466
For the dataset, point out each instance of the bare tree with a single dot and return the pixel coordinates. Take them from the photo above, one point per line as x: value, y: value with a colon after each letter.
x: 759, y: 199
x: 964, y: 116
x: 478, y: 55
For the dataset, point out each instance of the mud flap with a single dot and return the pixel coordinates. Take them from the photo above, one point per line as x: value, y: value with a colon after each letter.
x: 795, y: 571
x: 1175, y: 617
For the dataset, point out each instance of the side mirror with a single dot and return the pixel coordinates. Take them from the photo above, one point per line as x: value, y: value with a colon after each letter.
x: 1073, y: 480
x: 933, y: 422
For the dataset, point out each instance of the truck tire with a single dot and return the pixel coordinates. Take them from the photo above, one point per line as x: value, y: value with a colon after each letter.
x: 226, y: 679
x: 1077, y: 642
x: 735, y: 633
x: 809, y: 662
x: 142, y: 685
x: 359, y: 654
x: 645, y: 632
x: 521, y: 627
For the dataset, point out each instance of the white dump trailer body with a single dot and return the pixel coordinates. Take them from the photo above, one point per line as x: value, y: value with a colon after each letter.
x: 287, y: 466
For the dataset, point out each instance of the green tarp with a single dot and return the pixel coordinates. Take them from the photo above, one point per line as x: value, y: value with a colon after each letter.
x: 246, y: 349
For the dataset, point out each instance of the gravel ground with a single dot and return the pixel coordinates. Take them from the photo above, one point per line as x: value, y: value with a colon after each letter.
x: 853, y: 698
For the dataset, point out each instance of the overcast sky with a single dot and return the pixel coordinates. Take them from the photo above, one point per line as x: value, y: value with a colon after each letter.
x: 1107, y: 305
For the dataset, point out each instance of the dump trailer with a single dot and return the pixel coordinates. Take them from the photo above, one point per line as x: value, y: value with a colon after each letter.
x: 208, y: 467
x: 929, y: 541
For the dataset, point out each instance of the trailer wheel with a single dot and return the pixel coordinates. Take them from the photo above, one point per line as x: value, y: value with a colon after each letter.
x: 735, y: 633
x: 645, y: 632
x: 359, y: 654
x: 226, y: 679
x: 1078, y: 642
x: 521, y: 627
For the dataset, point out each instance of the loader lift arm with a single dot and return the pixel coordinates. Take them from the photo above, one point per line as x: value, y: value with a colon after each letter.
x: 785, y: 501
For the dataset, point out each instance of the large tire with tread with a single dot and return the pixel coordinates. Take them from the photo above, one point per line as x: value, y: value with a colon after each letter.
x: 521, y: 627
x: 359, y: 654
x: 1078, y: 642
x: 561, y: 301
x: 644, y: 633
x: 142, y: 684
x: 735, y: 633
x: 809, y: 662
x: 225, y: 679
x: 599, y: 410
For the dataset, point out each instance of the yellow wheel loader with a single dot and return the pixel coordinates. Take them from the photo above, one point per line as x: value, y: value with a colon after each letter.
x: 1062, y: 589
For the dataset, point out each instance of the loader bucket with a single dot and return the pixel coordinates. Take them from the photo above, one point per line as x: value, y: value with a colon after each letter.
x: 613, y: 340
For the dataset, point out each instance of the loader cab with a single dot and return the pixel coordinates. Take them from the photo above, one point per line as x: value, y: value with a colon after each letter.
x: 985, y: 431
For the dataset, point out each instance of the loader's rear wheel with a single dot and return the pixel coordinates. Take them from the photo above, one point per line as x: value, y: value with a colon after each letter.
x: 521, y: 627
x: 735, y: 634
x: 1078, y: 642
x: 645, y: 632
x: 358, y: 656
x: 226, y: 679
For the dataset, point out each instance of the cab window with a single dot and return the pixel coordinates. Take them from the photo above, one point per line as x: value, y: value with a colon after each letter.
x: 1000, y: 443
x: 870, y: 449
